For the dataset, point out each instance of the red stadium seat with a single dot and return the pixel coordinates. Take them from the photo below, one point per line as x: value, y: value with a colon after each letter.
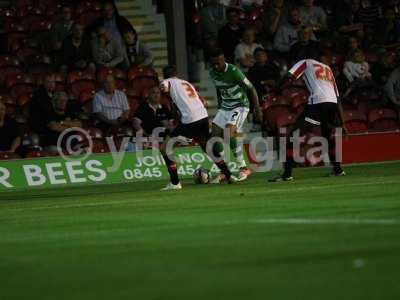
x: 88, y: 17
x: 100, y: 146
x: 78, y: 87
x: 285, y: 120
x: 21, y: 89
x: 24, y: 99
x: 383, y: 119
x: 104, y: 72
x: 79, y: 75
x: 8, y: 71
x: 38, y: 26
x: 7, y: 12
x: 16, y: 79
x: 133, y: 106
x: 86, y: 96
x: 9, y: 61
x: 8, y: 156
x: 356, y: 121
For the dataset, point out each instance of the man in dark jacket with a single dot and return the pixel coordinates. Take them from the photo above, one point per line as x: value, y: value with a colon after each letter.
x: 112, y: 22
x: 229, y: 35
x: 264, y: 74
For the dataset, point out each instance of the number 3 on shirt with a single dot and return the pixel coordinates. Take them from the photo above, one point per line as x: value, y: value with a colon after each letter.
x: 190, y: 91
x: 324, y: 73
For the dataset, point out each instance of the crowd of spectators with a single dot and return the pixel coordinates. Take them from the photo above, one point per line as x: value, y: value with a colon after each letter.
x: 81, y: 64
x: 68, y: 64
x: 359, y: 39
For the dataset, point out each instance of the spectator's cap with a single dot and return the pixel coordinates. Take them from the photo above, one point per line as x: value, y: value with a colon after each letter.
x: 169, y: 71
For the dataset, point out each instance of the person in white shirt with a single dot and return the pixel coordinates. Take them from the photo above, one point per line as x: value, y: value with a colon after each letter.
x: 323, y: 110
x: 194, y: 124
x: 110, y: 106
x: 244, y: 51
x: 357, y: 72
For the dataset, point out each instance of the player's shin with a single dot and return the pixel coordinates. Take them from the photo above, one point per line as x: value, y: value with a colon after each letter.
x: 236, y: 145
x: 172, y: 169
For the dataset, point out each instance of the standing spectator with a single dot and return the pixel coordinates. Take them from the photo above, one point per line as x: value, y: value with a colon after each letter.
x: 369, y: 13
x: 10, y: 139
x: 138, y: 54
x: 313, y: 16
x: 287, y: 34
x: 107, y: 52
x: 229, y: 35
x: 389, y: 30
x: 305, y: 47
x: 264, y: 74
x: 151, y: 114
x: 62, y: 28
x: 392, y: 88
x: 42, y: 105
x: 244, y: 52
x: 77, y: 50
x: 346, y: 17
x: 274, y: 17
x: 110, y: 106
x: 212, y: 19
x: 112, y: 22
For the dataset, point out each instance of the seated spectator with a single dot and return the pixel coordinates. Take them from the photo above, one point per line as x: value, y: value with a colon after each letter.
x: 112, y: 22
x: 110, y: 106
x: 244, y: 51
x: 382, y: 69
x: 107, y: 52
x: 305, y: 47
x: 62, y: 29
x: 274, y: 17
x: 287, y: 34
x: 60, y: 119
x: 229, y: 36
x: 77, y: 50
x: 151, y: 114
x: 313, y: 16
x: 392, y: 88
x: 357, y: 73
x: 42, y: 105
x: 264, y: 74
x: 10, y: 139
x: 138, y: 54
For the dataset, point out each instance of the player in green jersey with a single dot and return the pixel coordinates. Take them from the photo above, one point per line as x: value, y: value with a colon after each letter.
x: 234, y: 91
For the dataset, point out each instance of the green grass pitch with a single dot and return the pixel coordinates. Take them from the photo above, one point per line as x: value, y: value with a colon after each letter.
x: 314, y: 238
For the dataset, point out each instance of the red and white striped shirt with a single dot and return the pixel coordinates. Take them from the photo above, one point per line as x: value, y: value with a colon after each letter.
x: 319, y: 80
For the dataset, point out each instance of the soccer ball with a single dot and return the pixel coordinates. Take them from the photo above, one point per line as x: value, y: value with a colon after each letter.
x: 201, y: 176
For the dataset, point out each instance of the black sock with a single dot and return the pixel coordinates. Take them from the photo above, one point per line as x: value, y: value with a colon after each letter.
x: 224, y: 169
x: 172, y: 170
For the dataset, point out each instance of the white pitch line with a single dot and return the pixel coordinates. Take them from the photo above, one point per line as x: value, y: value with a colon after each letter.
x: 311, y: 221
